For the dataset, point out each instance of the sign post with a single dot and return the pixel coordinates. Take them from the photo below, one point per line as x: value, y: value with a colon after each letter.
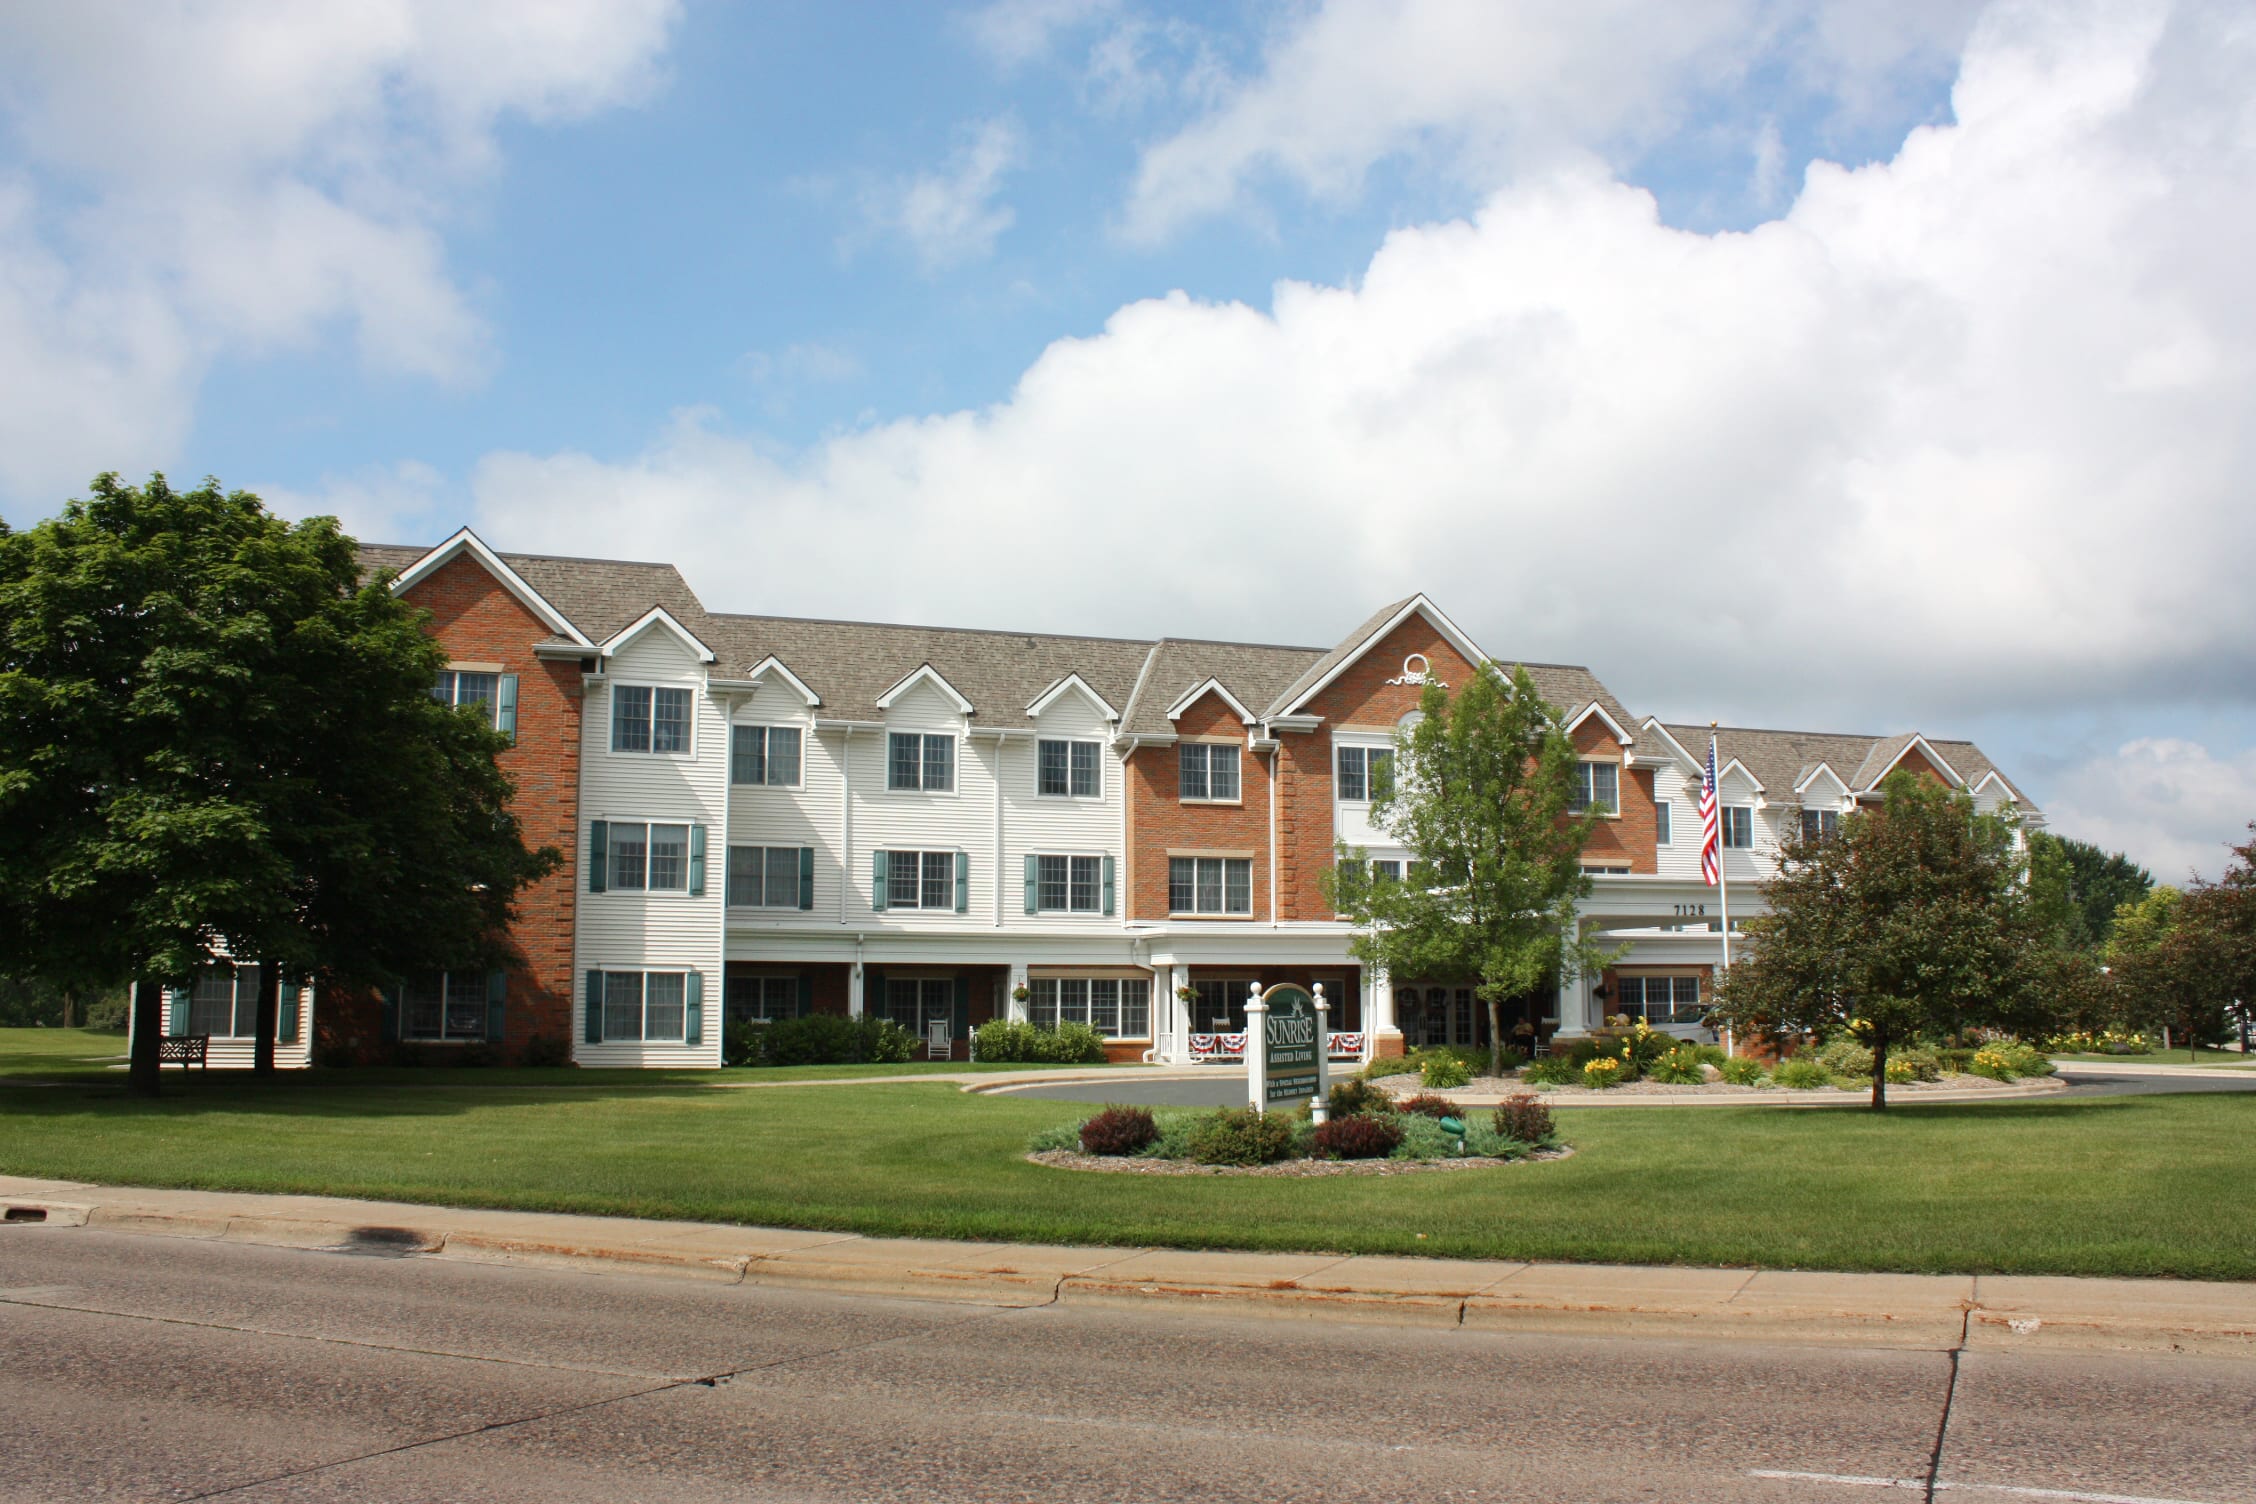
x: 1284, y: 1048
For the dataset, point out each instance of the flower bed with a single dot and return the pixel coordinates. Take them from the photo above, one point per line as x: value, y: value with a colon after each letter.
x: 1485, y: 1086
x: 1367, y: 1129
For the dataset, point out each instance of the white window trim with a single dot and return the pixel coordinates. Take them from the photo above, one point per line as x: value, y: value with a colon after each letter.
x: 1070, y: 743
x: 763, y: 906
x: 611, y: 745
x: 1619, y: 771
x: 1151, y: 994
x: 1369, y: 744
x: 1224, y: 912
x: 1210, y: 741
x: 806, y: 739
x: 1723, y: 831
x: 611, y: 860
x: 952, y: 853
x: 954, y: 789
x: 1072, y: 913
x: 646, y: 973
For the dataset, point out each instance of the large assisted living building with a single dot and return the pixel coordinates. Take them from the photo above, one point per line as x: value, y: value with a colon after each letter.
x: 764, y: 817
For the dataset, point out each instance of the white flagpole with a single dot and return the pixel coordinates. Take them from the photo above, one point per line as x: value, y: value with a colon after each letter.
x: 1723, y: 847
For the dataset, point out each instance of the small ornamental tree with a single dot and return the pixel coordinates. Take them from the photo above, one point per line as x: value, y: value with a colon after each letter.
x: 1911, y: 919
x: 1480, y: 800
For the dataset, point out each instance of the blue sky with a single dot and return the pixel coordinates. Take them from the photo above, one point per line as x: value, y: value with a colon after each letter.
x: 1813, y: 364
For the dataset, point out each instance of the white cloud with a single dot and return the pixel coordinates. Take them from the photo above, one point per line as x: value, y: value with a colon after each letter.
x: 1016, y: 32
x: 951, y: 215
x: 1486, y: 85
x: 1966, y: 432
x: 400, y: 503
x: 240, y: 176
x: 2171, y: 805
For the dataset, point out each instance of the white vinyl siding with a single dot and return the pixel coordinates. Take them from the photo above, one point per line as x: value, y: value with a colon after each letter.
x: 889, y: 819
x: 809, y: 813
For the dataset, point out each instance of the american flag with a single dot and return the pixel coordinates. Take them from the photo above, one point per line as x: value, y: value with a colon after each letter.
x: 1711, y: 826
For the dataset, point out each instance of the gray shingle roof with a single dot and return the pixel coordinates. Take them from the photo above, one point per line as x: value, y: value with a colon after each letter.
x: 598, y: 596
x: 1255, y: 674
x: 1348, y: 646
x: 1781, y: 759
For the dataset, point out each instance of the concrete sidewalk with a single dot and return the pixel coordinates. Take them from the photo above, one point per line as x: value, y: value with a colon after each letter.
x: 1886, y: 1310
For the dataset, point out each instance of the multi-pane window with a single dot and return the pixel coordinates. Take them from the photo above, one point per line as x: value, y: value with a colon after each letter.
x: 920, y: 879
x: 1365, y: 772
x: 644, y: 719
x: 1661, y: 1000
x: 1068, y: 884
x: 1597, y: 787
x: 443, y: 1006
x: 765, y: 877
x: 762, y: 1000
x: 645, y: 1005
x: 1209, y: 885
x: 918, y: 761
x: 1209, y: 770
x: 1605, y: 869
x: 653, y: 857
x: 224, y: 1001
x: 1066, y: 770
x: 1116, y: 1007
x: 1662, y: 822
x: 917, y: 1003
x: 1739, y: 827
x: 764, y: 755
x: 1820, y: 824
x: 1220, y: 1008
x: 1386, y: 869
x: 461, y: 687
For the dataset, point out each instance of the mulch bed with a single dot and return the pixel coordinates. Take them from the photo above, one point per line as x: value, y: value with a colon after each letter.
x: 1290, y: 1169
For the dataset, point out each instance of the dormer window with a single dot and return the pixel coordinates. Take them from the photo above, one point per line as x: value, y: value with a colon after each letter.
x: 1597, y: 788
x: 917, y: 761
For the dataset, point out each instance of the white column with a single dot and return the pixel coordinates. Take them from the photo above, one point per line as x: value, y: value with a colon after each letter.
x: 1380, y: 1019
x: 854, y: 990
x: 1257, y: 1048
x: 1319, y: 1108
x: 1178, y: 1014
x: 1011, y: 1004
x: 1573, y: 1005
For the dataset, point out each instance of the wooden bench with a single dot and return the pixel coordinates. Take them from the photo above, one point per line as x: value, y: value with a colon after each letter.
x: 184, y: 1050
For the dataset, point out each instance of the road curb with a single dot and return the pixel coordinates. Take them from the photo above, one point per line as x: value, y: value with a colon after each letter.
x: 1925, y: 1312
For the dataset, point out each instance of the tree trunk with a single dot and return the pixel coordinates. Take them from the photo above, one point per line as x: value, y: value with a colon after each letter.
x: 269, y: 1014
x: 148, y: 1028
x: 1495, y: 1038
x: 1879, y: 1073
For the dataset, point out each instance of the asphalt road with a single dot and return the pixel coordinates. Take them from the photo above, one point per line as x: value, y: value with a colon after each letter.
x: 136, y: 1367
x: 1226, y: 1088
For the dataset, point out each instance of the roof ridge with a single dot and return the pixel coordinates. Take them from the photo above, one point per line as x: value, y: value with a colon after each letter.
x: 1848, y: 736
x: 505, y: 556
x: 905, y: 626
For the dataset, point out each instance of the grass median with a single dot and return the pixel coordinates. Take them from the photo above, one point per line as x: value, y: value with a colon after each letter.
x: 2137, y: 1186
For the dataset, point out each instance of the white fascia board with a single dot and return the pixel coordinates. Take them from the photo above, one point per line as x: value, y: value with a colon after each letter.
x: 1175, y: 711
x: 1744, y: 772
x: 1598, y: 710
x: 925, y: 673
x: 1416, y: 605
x: 1925, y: 748
x: 1826, y: 769
x: 1653, y: 724
x: 1994, y: 776
x: 470, y: 543
x: 1071, y: 682
x: 774, y: 665
x: 1295, y: 722
x: 658, y: 616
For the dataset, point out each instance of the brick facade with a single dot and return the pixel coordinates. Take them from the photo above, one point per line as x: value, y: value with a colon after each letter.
x: 1632, y: 835
x: 1159, y: 821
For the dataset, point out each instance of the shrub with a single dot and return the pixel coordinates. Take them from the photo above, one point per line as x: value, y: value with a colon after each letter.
x: 1241, y: 1136
x: 1174, y: 1141
x: 1900, y: 1072
x: 886, y: 1041
x: 1991, y: 1063
x: 1356, y: 1138
x: 1845, y: 1057
x: 476, y: 1057
x: 1524, y: 1118
x: 1513, y: 1058
x: 1355, y: 1098
x: 1923, y: 1063
x: 1742, y: 1070
x: 2025, y: 1060
x: 1679, y: 1067
x: 1422, y: 1138
x: 1427, y: 1105
x: 1801, y: 1074
x: 1708, y: 1054
x: 1955, y: 1058
x: 817, y: 1039
x: 1119, y: 1130
x: 1603, y: 1071
x: 544, y: 1053
x: 743, y: 1045
x: 1443, y: 1072
x: 1057, y: 1136
x: 1551, y: 1070
x: 1015, y: 1040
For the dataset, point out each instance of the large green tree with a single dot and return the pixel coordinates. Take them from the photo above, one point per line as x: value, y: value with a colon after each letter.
x: 2186, y: 959
x: 214, y: 738
x: 2078, y: 887
x: 1480, y: 800
x: 1913, y: 919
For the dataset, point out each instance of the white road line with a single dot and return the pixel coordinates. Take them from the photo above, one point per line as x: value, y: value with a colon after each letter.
x: 2066, y: 1495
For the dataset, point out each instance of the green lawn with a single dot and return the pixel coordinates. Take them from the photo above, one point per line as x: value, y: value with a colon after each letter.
x: 2126, y: 1186
x: 71, y: 1053
x: 2167, y: 1057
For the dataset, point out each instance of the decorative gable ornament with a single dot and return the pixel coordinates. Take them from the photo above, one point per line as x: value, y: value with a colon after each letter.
x: 1416, y: 670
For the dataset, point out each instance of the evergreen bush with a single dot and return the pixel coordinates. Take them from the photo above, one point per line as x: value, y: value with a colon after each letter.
x: 1241, y: 1136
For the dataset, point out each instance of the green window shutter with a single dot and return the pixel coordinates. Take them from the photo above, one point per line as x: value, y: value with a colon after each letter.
x: 696, y: 860
x: 176, y: 1011
x: 963, y: 1008
x: 599, y: 853
x: 806, y: 993
x: 593, y: 1032
x: 1108, y: 886
x: 878, y: 878
x: 693, y: 997
x: 389, y: 1028
x: 505, y: 707
x: 286, y: 1009
x: 1033, y: 882
x: 497, y: 997
x: 963, y: 882
x: 806, y: 877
